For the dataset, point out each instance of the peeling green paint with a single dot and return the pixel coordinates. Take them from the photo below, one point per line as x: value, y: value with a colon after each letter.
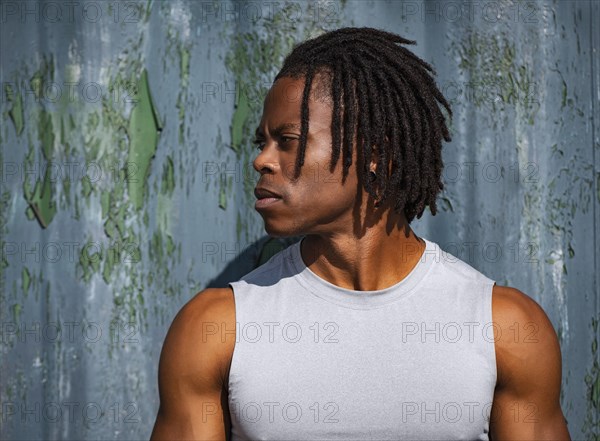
x: 29, y: 213
x: 41, y: 200
x: 46, y: 134
x: 222, y: 196
x: 496, y: 78
x: 565, y: 89
x: 184, y: 68
x: 156, y: 246
x: 148, y: 11
x: 4, y: 201
x: 575, y: 182
x: 89, y: 264
x: 144, y: 128
x: 113, y: 210
x: 16, y: 110
x: 182, y: 50
x: 163, y: 213
x: 240, y: 118
x: 184, y: 56
x: 86, y: 185
x: 25, y: 279
x: 43, y: 75
x: 112, y: 257
x: 105, y: 203
x: 168, y: 177
x: 16, y: 312
x: 66, y: 193
x: 225, y: 189
x: 170, y: 245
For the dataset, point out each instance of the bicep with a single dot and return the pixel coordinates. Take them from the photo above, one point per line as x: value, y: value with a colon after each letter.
x: 532, y: 416
x: 193, y: 402
x: 527, y: 397
x: 194, y: 416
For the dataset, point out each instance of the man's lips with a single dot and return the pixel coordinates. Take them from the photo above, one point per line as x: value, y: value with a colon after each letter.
x: 265, y: 197
x: 263, y: 193
x: 266, y: 202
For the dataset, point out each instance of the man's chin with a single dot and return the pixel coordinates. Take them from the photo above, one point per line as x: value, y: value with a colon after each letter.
x: 279, y: 231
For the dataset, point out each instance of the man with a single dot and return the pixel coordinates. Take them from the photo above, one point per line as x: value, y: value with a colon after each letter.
x: 361, y: 330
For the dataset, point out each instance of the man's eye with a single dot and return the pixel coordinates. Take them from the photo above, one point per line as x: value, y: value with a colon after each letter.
x: 259, y: 143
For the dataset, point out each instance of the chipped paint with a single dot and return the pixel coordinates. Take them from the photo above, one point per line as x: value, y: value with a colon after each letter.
x: 41, y: 200
x: 184, y: 69
x: 25, y: 280
x: 168, y: 177
x: 16, y: 110
x: 497, y: 77
x: 143, y: 130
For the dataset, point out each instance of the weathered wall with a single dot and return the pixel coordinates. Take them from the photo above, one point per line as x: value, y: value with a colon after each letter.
x: 127, y: 179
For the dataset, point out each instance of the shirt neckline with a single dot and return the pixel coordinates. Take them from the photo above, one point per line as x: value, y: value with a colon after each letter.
x: 363, y: 299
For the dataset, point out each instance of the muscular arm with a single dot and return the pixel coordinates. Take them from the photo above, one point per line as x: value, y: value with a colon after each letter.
x: 527, y: 396
x: 193, y: 370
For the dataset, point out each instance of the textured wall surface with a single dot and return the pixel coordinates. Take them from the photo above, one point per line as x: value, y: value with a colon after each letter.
x: 126, y: 181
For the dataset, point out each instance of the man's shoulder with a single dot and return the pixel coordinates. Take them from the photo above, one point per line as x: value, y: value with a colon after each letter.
x: 209, y: 303
x: 510, y: 304
x: 201, y: 338
x: 523, y: 334
x: 208, y: 313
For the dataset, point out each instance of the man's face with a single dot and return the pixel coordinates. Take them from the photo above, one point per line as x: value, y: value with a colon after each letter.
x: 317, y: 202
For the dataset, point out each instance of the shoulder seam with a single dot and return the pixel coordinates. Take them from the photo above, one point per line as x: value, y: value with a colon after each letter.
x: 475, y: 273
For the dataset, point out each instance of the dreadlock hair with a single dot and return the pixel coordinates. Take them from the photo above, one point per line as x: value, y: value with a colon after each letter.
x: 389, y: 99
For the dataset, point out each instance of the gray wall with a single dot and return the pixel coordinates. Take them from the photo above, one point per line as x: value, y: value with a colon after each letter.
x: 127, y: 178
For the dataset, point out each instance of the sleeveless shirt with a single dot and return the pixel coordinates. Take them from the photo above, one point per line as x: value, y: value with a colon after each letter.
x: 312, y: 360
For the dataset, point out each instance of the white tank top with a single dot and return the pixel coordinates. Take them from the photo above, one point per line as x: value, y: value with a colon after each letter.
x: 312, y: 360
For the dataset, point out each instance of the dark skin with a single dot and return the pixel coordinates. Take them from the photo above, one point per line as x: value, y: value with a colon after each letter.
x: 352, y: 244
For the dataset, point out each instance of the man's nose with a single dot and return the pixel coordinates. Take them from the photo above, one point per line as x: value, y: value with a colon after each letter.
x: 265, y: 162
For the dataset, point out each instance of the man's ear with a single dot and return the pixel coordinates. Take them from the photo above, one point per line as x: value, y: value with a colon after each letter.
x: 375, y: 157
x: 373, y: 171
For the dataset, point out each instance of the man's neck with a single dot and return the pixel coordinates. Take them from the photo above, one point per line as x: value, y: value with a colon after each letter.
x: 373, y: 262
